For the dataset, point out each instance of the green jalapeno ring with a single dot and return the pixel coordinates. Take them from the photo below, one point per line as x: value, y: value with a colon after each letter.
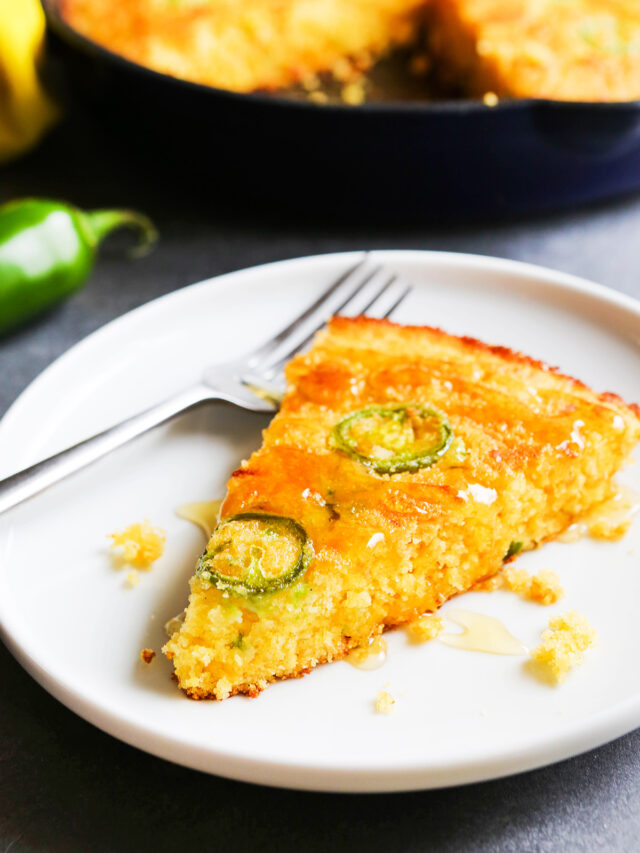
x: 253, y: 581
x: 404, y: 461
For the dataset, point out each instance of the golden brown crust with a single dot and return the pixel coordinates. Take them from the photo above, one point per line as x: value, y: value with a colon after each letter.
x: 540, y: 449
x: 510, y: 355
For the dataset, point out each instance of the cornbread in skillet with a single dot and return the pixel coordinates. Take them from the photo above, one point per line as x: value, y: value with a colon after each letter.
x: 245, y: 45
x: 350, y: 552
x: 559, y: 49
x: 573, y: 50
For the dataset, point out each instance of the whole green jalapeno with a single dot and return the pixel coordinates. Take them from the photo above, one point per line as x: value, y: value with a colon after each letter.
x: 47, y: 251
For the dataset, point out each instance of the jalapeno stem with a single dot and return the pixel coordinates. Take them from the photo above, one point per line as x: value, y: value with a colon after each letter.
x: 100, y: 223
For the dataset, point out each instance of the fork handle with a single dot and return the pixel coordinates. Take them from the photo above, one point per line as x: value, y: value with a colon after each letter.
x: 29, y: 482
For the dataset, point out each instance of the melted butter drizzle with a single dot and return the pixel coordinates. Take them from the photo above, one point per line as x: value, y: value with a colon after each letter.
x: 369, y: 657
x: 204, y: 514
x: 608, y: 520
x: 482, y: 634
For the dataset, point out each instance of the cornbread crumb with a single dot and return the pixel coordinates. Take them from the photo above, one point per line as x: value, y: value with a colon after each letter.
x: 353, y: 94
x: 310, y: 82
x: 545, y: 587
x: 133, y: 578
x: 425, y: 628
x: 385, y: 702
x: 563, y: 644
x: 139, y: 544
x: 318, y: 97
x: 343, y: 69
x: 147, y: 655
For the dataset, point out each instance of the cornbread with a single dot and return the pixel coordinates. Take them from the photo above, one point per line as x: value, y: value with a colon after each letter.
x: 248, y: 45
x: 559, y: 49
x: 318, y: 550
x: 563, y: 645
x: 573, y: 50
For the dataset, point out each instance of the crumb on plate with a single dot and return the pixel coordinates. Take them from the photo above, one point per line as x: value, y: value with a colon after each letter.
x: 563, y: 644
x: 385, y: 702
x: 545, y: 587
x: 139, y: 544
x: 426, y: 627
x: 147, y: 655
x: 133, y: 578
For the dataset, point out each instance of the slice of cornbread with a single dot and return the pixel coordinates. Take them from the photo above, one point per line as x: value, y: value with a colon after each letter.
x: 247, y: 45
x: 576, y: 50
x: 491, y: 451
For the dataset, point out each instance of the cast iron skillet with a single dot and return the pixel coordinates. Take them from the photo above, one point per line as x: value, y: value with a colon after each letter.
x: 436, y: 159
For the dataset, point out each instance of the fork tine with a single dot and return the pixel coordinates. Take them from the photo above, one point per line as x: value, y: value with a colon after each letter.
x: 268, y: 371
x: 261, y: 353
x: 283, y: 346
x: 362, y: 309
x: 398, y: 301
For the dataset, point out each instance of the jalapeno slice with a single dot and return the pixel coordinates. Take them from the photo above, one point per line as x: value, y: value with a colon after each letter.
x: 394, y: 438
x: 254, y: 553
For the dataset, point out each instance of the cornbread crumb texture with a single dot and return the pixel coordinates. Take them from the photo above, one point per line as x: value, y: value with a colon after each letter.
x: 426, y: 628
x: 385, y: 702
x: 563, y: 645
x: 147, y: 655
x: 139, y: 544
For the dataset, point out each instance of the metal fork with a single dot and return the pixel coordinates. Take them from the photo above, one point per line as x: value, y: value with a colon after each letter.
x: 251, y: 382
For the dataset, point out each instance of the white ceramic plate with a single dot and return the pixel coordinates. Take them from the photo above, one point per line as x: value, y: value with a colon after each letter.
x: 460, y: 716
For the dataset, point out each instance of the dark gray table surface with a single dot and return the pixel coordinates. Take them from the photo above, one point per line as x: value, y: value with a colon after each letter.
x: 64, y: 785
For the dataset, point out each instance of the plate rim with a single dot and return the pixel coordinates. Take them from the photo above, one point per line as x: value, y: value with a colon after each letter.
x: 567, y: 741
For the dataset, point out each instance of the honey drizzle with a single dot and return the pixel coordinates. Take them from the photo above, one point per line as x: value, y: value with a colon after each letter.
x: 608, y: 520
x: 369, y: 657
x: 204, y: 514
x: 482, y: 634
